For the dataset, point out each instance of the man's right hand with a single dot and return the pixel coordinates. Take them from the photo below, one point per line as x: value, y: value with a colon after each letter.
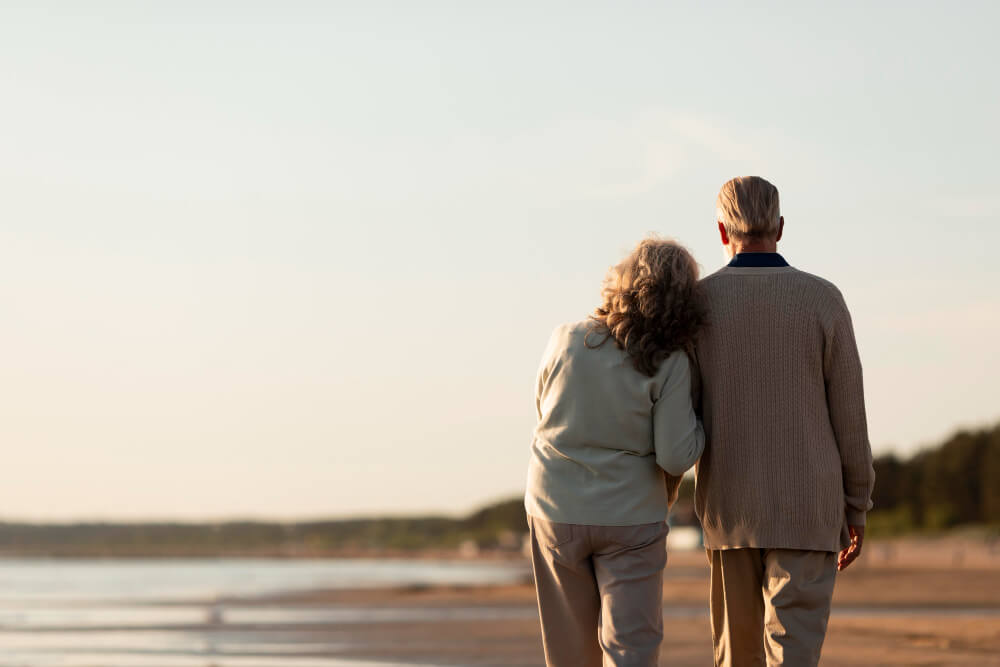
x: 851, y: 553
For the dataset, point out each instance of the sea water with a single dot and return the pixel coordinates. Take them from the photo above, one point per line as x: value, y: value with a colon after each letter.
x: 173, y: 613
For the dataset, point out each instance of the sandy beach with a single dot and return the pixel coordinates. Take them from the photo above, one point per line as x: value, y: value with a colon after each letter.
x: 911, y: 602
x: 889, y: 610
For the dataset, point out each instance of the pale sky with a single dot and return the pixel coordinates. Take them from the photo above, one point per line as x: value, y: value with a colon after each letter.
x: 292, y: 259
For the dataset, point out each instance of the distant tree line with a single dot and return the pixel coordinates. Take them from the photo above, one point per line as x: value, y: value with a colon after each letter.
x: 488, y: 527
x: 936, y: 489
x: 954, y: 484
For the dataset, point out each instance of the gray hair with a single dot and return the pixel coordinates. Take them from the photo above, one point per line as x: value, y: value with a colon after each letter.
x: 748, y: 208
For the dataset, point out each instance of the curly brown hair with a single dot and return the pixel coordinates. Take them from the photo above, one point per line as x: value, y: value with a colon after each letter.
x: 652, y: 304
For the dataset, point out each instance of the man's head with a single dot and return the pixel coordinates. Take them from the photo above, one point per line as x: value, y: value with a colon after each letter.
x: 748, y: 215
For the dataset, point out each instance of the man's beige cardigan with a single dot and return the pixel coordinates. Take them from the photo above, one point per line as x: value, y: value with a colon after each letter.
x: 787, y: 461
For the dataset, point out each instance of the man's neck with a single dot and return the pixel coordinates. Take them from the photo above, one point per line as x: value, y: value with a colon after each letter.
x: 755, y: 245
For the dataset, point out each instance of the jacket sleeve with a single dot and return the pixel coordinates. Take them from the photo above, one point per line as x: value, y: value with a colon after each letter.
x: 678, y: 437
x: 544, y: 369
x: 845, y: 397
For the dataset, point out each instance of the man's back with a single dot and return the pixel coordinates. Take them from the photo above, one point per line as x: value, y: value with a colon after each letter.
x: 787, y: 462
x: 786, y: 477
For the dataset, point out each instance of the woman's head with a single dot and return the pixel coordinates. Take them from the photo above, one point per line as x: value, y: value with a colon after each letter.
x: 651, y: 303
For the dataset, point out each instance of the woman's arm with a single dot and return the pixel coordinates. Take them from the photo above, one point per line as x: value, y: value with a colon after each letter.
x: 678, y: 437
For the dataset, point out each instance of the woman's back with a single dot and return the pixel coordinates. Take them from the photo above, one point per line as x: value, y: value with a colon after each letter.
x: 614, y: 411
x: 603, y: 428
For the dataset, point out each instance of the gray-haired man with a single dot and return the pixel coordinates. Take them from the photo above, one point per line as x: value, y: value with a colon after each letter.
x: 786, y: 477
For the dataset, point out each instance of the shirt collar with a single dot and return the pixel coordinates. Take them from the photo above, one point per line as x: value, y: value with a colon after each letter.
x: 758, y: 259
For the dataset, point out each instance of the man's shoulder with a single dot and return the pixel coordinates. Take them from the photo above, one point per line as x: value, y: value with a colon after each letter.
x: 819, y: 282
x: 825, y: 294
x: 714, y: 281
x: 718, y: 279
x: 712, y: 277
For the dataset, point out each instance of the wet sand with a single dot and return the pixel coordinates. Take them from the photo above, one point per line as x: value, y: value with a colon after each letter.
x: 894, y: 612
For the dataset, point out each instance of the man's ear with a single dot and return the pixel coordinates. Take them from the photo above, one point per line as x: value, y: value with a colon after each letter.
x: 724, y: 235
x: 781, y: 228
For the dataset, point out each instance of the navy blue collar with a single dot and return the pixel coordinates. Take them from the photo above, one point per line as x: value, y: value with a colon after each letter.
x: 758, y: 259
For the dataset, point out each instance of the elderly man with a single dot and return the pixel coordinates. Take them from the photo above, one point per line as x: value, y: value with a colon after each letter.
x: 786, y: 477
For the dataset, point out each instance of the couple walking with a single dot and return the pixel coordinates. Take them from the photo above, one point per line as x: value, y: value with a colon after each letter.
x: 752, y: 374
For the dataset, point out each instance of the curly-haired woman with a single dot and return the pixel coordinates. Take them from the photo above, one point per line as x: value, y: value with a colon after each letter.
x: 616, y: 428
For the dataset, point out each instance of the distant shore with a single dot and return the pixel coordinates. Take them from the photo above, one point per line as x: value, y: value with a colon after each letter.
x: 975, y: 548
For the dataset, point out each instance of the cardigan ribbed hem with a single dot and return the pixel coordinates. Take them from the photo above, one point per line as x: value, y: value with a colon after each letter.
x: 774, y: 537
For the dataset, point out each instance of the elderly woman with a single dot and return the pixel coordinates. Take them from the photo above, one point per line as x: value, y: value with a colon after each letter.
x: 616, y: 429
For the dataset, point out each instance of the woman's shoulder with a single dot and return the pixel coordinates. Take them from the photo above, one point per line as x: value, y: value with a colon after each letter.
x: 564, y: 337
x: 580, y: 339
x: 677, y: 361
x: 572, y: 330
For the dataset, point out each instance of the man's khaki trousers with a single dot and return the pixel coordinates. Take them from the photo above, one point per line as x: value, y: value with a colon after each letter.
x: 600, y: 592
x: 770, y: 606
